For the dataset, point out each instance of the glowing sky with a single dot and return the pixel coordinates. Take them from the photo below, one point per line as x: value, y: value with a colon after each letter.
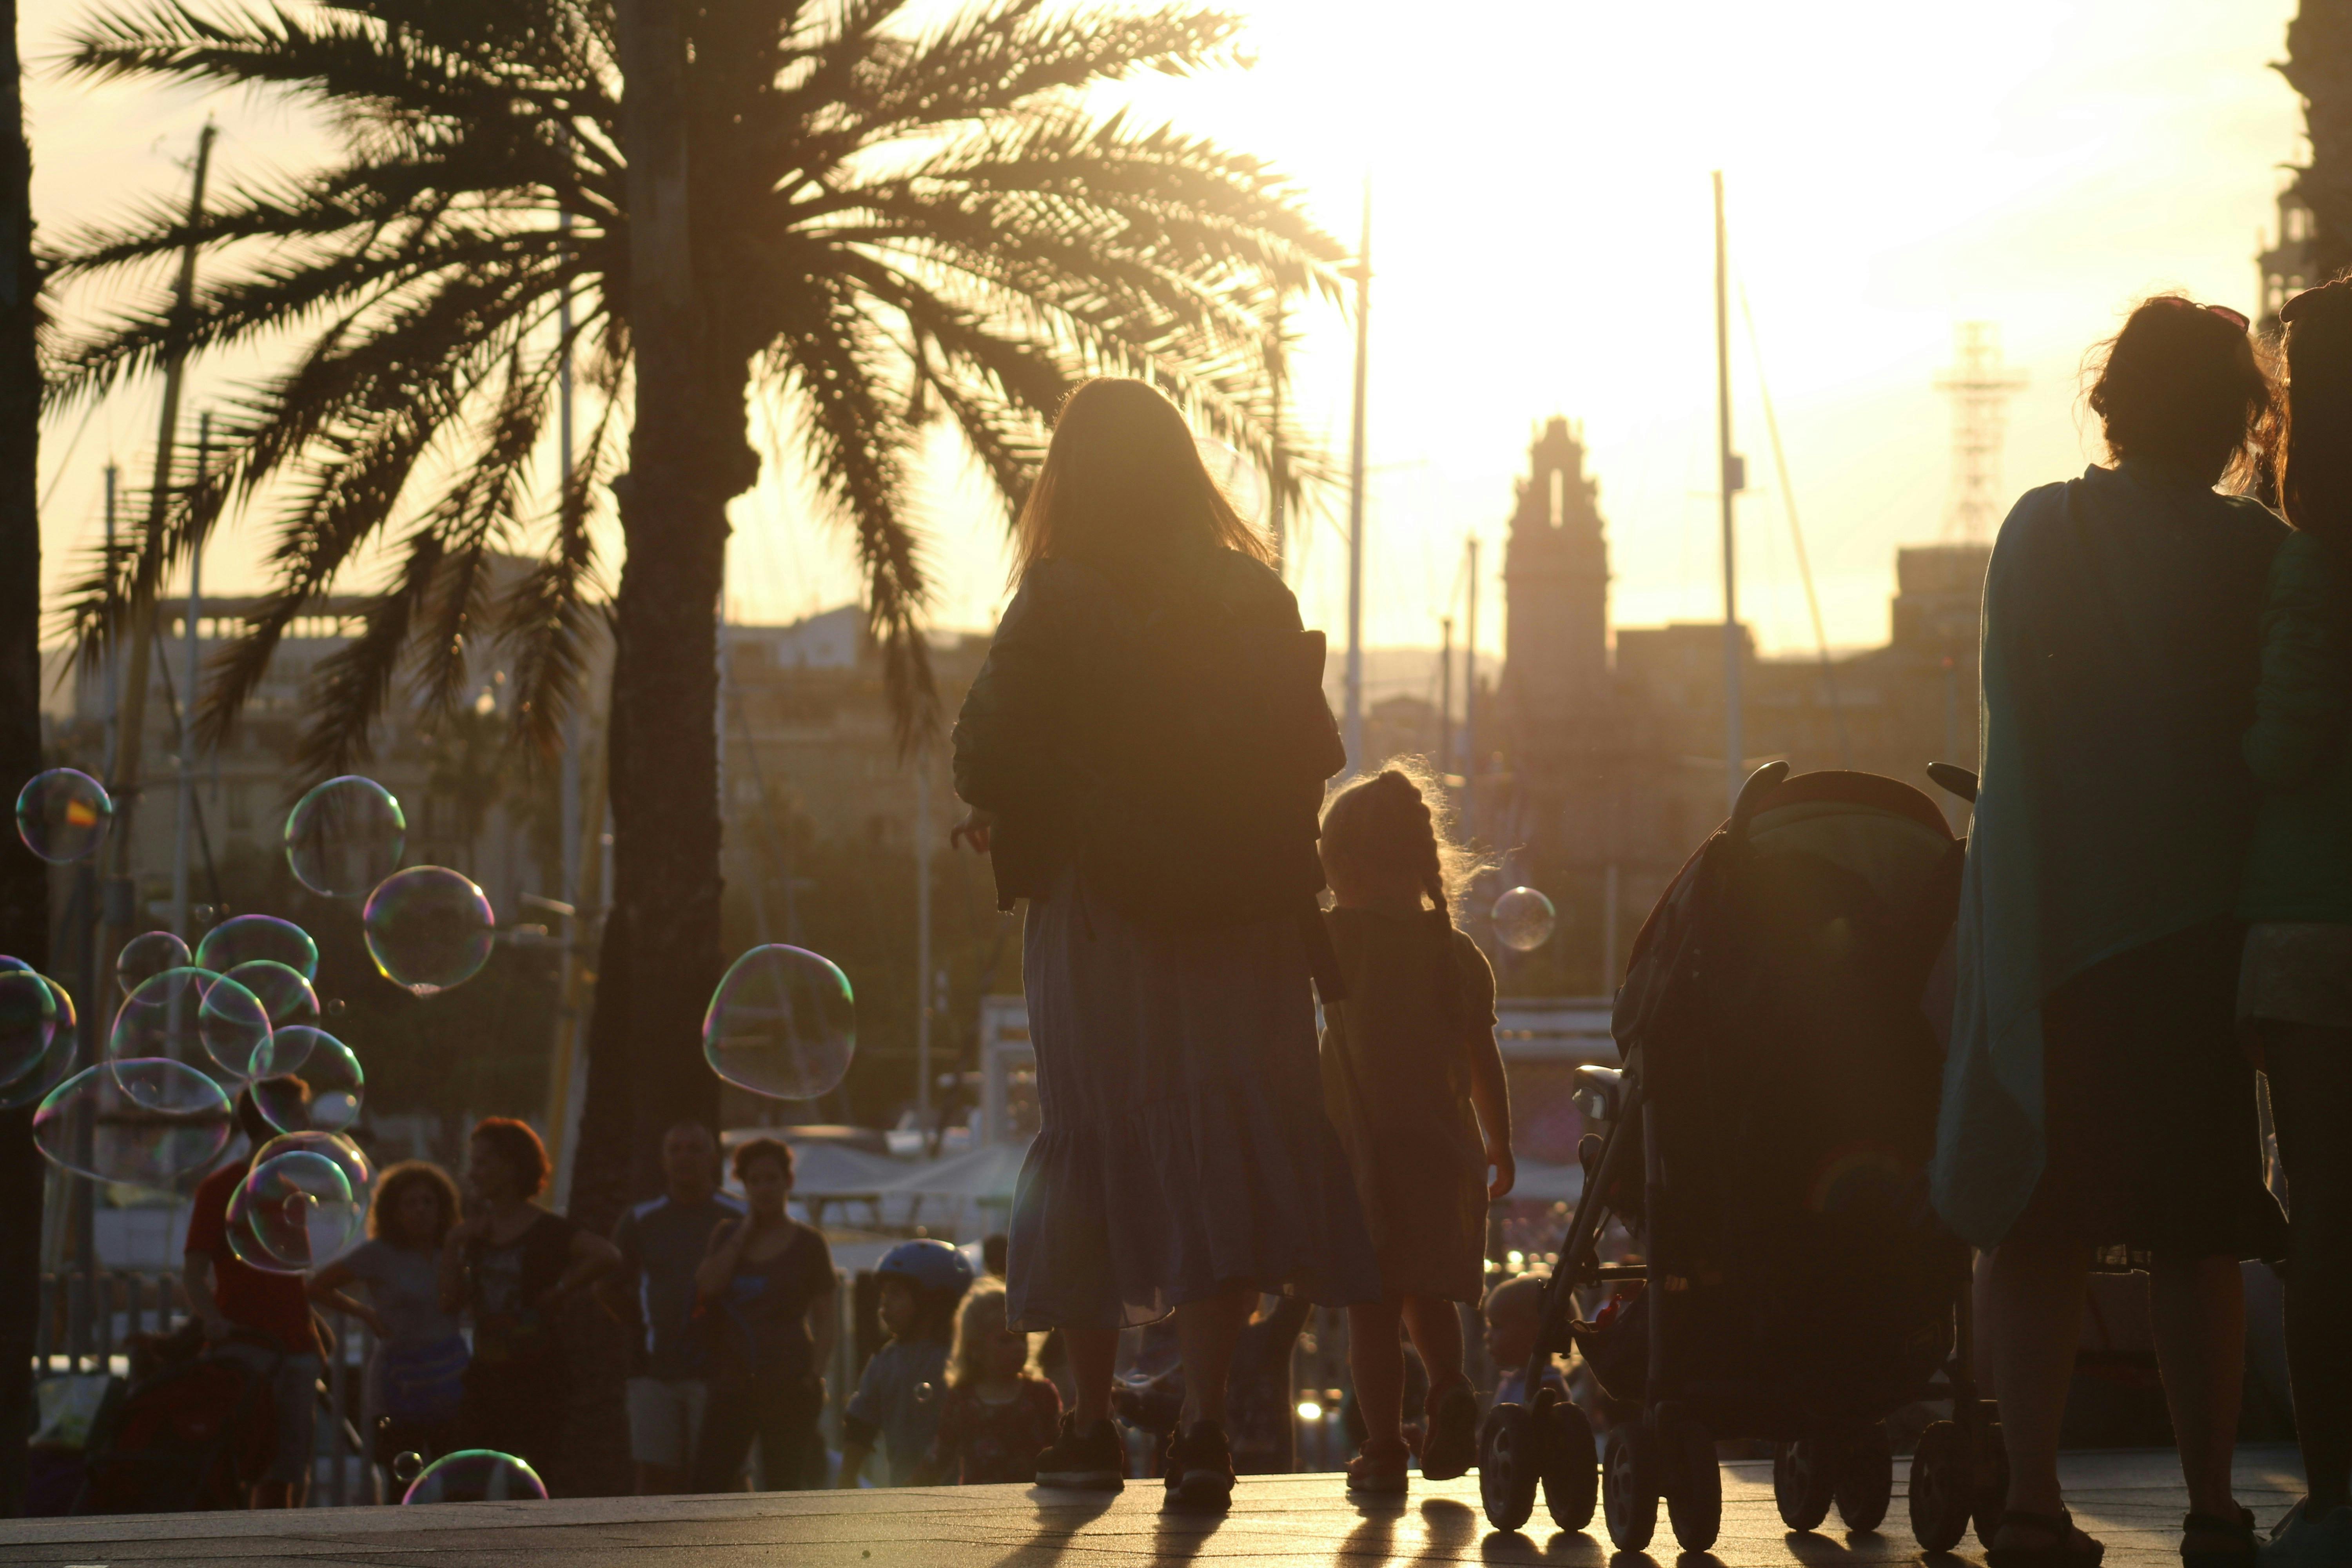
x: 1542, y: 245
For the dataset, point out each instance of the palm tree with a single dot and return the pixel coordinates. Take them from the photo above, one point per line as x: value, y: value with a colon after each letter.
x: 883, y: 227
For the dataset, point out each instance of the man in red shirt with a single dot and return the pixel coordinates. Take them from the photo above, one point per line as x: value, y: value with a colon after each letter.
x: 260, y: 1319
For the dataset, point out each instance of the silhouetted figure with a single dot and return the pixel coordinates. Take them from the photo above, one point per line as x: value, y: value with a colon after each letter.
x: 1414, y: 1084
x: 2295, y: 994
x: 2095, y: 1094
x: 1145, y: 752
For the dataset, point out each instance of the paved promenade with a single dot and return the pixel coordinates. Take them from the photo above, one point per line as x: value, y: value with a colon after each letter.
x: 2132, y: 1498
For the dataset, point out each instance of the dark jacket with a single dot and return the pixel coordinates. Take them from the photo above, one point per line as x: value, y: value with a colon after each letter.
x: 2300, y: 745
x: 1060, y: 693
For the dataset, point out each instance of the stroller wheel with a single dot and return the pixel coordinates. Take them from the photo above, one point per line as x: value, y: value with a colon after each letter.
x: 1943, y: 1486
x: 1572, y: 1463
x: 1695, y: 1484
x: 1509, y: 1465
x: 1804, y: 1478
x: 1865, y: 1473
x: 1629, y: 1493
x: 1992, y: 1483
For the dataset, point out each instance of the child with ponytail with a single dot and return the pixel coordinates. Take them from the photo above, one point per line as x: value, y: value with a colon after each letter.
x: 1414, y: 1083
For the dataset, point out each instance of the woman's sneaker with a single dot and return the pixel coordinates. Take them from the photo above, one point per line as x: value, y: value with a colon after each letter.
x: 1379, y: 1471
x: 1453, y: 1444
x: 2302, y: 1539
x: 1201, y: 1466
x: 1093, y: 1461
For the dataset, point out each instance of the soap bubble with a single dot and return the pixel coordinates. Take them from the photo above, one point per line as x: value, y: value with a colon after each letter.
x: 345, y: 1155
x: 1522, y: 920
x: 406, y: 1466
x: 62, y: 815
x: 428, y: 929
x: 195, y: 1017
x: 282, y: 992
x: 345, y: 837
x: 925, y: 1393
x: 783, y: 1022
x: 28, y: 1023
x: 312, y: 1082
x: 8, y: 965
x: 1236, y: 474
x: 251, y: 939
x: 145, y: 956
x: 141, y: 1123
x: 476, y: 1474
x: 56, y: 1064
x: 292, y: 1213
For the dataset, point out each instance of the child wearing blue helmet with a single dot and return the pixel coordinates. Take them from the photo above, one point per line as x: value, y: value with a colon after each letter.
x: 897, y: 1398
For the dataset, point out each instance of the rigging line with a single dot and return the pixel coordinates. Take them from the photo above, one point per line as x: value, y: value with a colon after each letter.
x: 65, y: 462
x: 1797, y: 534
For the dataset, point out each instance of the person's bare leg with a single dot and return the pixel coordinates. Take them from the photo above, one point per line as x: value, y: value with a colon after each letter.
x: 1206, y: 1332
x: 1437, y: 1328
x: 1094, y: 1353
x: 1376, y: 1363
x: 2199, y: 1307
x: 2033, y: 1318
x: 2311, y: 1099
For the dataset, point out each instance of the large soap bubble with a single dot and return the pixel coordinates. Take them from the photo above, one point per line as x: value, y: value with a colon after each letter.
x: 292, y: 1213
x: 146, y: 955
x: 345, y: 837
x: 783, y: 1022
x: 312, y: 1084
x: 428, y: 929
x: 62, y: 815
x: 346, y: 1156
x: 57, y: 1063
x: 141, y: 1123
x: 1524, y: 920
x: 476, y: 1474
x: 195, y: 1017
x: 282, y: 992
x: 253, y: 938
x: 28, y: 1023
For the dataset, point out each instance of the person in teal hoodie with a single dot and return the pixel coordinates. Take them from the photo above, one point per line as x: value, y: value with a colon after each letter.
x: 2295, y: 988
x: 2095, y: 1094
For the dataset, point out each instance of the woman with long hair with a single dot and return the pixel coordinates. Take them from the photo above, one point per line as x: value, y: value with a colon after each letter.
x: 2095, y: 1095
x: 2294, y: 990
x: 1144, y: 753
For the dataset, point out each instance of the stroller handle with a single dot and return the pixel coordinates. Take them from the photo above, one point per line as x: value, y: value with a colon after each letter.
x: 1760, y: 782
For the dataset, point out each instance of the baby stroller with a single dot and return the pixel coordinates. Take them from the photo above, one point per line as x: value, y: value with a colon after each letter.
x: 194, y: 1434
x: 1763, y: 1145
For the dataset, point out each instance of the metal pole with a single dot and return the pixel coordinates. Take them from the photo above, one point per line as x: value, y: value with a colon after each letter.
x: 1362, y: 273
x: 1609, y: 930
x: 1730, y: 478
x: 1470, y: 707
x: 113, y: 663
x: 1444, y: 699
x: 923, y: 940
x: 185, y: 802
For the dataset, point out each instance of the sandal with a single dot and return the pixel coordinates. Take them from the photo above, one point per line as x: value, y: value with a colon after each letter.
x: 2068, y: 1547
x: 2235, y: 1532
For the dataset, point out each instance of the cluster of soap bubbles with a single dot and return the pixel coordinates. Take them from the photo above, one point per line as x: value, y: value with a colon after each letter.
x: 196, y: 1028
x: 782, y: 1023
x: 1524, y: 920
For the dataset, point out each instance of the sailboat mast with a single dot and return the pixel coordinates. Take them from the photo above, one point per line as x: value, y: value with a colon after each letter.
x: 1362, y: 273
x: 1732, y: 480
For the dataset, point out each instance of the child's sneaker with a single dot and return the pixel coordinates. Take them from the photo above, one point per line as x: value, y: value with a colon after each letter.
x: 1201, y: 1466
x: 1092, y: 1461
x: 1453, y: 1444
x: 1378, y: 1470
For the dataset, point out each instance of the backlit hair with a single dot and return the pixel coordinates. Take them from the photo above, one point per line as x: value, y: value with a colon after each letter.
x: 2186, y: 387
x: 981, y: 1317
x: 514, y: 1143
x: 771, y: 1149
x: 1382, y: 828
x: 1123, y: 487
x: 392, y: 1190
x: 2315, y: 446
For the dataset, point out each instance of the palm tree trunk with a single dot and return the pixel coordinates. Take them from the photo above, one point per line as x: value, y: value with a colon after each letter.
x: 660, y: 955
x: 24, y: 881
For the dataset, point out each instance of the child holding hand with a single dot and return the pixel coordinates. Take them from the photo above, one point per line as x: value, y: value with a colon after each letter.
x: 1414, y: 1083
x: 999, y: 1411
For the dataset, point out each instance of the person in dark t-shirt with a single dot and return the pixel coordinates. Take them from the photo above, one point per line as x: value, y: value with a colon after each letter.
x: 651, y: 1292
x: 512, y: 1265
x: 766, y: 1290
